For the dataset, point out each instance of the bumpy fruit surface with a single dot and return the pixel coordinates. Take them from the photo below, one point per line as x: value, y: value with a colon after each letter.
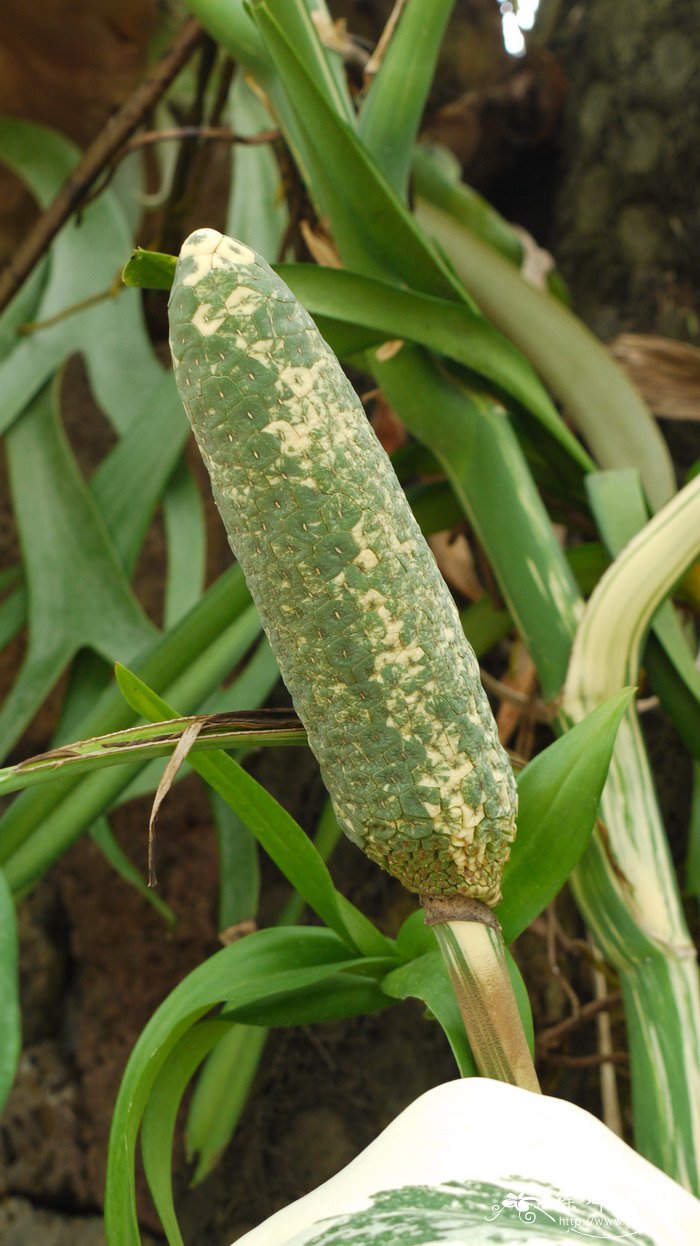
x: 366, y: 634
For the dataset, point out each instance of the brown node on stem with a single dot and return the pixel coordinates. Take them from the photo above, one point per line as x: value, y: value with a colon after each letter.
x: 440, y: 909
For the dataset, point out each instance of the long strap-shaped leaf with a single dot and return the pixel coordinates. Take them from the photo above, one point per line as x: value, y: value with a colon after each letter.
x: 630, y: 899
x: 475, y: 444
x: 111, y: 334
x: 608, y: 643
x: 266, y: 963
x: 275, y: 829
x: 241, y: 729
x: 10, y: 1017
x: 448, y: 328
x: 256, y: 213
x: 389, y: 241
x: 127, y: 483
x: 393, y: 110
x: 621, y: 511
x: 604, y: 658
x: 78, y: 593
x: 38, y: 825
x: 323, y: 65
x: 604, y: 404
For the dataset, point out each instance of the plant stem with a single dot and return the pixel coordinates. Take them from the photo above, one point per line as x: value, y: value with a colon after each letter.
x: 474, y: 953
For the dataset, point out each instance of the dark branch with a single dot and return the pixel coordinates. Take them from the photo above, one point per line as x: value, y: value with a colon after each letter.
x: 97, y: 156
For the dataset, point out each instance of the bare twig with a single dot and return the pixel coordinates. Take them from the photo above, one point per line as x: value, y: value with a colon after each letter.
x: 553, y: 926
x: 374, y: 63
x: 179, y: 133
x: 541, y: 711
x: 97, y: 156
x: 609, y: 1094
x: 182, y: 748
x: 188, y: 162
x: 554, y: 1034
x: 218, y: 133
x: 592, y: 1061
x: 35, y: 326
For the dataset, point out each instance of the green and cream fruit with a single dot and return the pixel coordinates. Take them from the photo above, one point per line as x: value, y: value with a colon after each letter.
x: 365, y: 632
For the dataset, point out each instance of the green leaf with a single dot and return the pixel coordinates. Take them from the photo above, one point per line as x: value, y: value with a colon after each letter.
x: 149, y: 270
x: 448, y: 328
x: 193, y: 658
x: 415, y: 937
x: 559, y: 793
x: 260, y: 966
x: 692, y: 860
x: 13, y: 613
x: 129, y: 481
x: 112, y: 333
x: 674, y: 676
x: 22, y: 308
x: 230, y: 23
x: 393, y: 107
x: 580, y: 372
x: 484, y: 625
x: 434, y: 506
x: 426, y: 978
x: 102, y: 835
x: 223, y: 1085
x: 348, y: 185
x: 126, y: 486
x: 338, y: 995
x: 186, y: 542
x: 257, y: 212
x: 437, y: 178
x: 323, y: 66
x: 138, y: 744
x: 274, y: 828
x: 220, y: 1096
x: 10, y: 578
x: 475, y: 444
x: 239, y: 870
x: 10, y: 1016
x: 249, y: 690
x: 61, y: 530
x: 160, y: 1115
x: 588, y: 561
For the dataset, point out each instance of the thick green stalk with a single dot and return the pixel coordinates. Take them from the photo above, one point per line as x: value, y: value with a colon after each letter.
x: 474, y: 953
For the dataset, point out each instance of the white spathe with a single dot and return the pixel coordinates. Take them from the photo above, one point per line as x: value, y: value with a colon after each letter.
x: 476, y: 1161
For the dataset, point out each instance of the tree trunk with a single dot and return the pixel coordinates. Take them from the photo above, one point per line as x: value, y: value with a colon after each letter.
x: 627, y: 230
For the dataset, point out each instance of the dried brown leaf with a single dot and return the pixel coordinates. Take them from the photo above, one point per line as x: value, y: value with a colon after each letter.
x: 179, y: 755
x: 320, y: 245
x: 666, y: 373
x: 454, y: 557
